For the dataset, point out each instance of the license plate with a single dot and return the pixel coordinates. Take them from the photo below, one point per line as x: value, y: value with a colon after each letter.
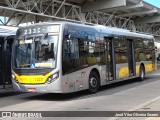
x: 31, y: 89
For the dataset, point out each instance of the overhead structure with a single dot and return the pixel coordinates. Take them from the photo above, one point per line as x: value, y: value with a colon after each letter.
x: 135, y: 15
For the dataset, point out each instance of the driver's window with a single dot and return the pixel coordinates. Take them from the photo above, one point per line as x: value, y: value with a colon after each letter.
x: 45, y: 48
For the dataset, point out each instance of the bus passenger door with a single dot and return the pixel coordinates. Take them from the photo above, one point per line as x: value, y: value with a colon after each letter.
x: 1, y: 62
x: 7, y: 57
x: 131, y: 58
x: 110, y: 59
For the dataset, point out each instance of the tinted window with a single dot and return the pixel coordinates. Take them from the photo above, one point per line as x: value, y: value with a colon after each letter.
x: 121, y: 50
x: 80, y: 50
x: 149, y: 50
x: 139, y: 50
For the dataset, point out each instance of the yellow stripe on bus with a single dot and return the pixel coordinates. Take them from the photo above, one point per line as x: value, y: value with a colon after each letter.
x: 124, y: 72
x: 32, y: 79
x: 149, y: 67
x: 137, y: 70
x: 155, y: 66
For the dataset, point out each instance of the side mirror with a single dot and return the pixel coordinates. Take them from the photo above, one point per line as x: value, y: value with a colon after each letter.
x: 68, y: 36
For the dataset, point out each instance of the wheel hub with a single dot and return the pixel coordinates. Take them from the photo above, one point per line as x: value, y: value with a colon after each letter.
x: 93, y: 82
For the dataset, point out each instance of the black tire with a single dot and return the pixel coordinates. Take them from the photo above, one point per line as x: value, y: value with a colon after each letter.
x: 94, y: 82
x: 142, y: 73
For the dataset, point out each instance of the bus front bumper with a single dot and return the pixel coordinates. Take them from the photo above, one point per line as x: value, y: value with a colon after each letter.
x: 54, y: 87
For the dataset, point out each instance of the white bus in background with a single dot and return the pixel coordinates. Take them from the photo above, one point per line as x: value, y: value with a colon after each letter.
x: 6, y: 40
x: 64, y: 57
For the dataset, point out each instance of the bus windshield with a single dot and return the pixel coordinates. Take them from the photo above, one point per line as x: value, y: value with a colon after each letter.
x: 36, y: 52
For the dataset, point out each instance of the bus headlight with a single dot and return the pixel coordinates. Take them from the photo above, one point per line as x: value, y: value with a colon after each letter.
x: 53, y: 77
x: 14, y: 78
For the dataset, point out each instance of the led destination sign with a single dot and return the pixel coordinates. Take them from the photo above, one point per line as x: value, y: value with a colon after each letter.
x: 41, y: 29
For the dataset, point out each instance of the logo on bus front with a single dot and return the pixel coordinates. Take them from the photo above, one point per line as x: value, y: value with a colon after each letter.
x: 38, y: 79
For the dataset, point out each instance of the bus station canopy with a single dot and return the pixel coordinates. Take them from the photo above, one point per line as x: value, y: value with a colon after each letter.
x: 135, y: 15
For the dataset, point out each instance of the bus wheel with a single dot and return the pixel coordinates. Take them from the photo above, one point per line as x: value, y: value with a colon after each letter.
x: 93, y: 82
x: 142, y: 73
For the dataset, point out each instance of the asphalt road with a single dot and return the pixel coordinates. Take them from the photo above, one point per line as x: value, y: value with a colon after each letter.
x: 123, y: 96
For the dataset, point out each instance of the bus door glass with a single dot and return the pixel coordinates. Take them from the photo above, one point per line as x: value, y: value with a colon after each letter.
x: 110, y: 59
x: 131, y: 57
x: 153, y: 54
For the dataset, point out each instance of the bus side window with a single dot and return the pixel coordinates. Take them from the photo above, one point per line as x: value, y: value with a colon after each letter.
x: 70, y: 49
x: 79, y: 51
x: 139, y: 50
x: 120, y: 50
x: 70, y: 54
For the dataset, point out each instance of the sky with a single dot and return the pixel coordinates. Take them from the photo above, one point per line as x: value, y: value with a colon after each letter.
x: 154, y: 2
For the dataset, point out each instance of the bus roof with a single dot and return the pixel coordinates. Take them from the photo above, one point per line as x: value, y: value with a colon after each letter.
x: 7, y: 31
x: 112, y: 30
x: 100, y: 28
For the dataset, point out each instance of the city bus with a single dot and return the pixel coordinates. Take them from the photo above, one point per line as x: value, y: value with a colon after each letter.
x: 6, y: 40
x: 65, y: 57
